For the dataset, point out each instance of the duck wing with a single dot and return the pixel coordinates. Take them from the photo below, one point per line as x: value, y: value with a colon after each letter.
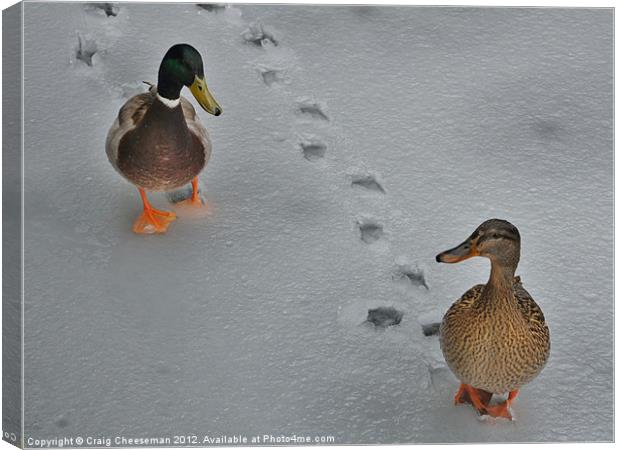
x: 535, y: 319
x: 129, y: 116
x: 528, y: 307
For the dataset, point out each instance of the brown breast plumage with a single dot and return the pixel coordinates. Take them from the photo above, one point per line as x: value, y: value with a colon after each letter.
x: 160, y: 153
x: 493, y: 348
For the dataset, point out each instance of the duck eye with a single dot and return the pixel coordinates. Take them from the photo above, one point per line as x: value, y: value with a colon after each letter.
x: 200, y: 88
x: 495, y: 236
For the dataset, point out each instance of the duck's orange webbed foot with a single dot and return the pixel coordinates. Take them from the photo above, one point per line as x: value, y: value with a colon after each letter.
x: 194, y: 201
x: 503, y: 409
x: 152, y: 220
x: 462, y: 396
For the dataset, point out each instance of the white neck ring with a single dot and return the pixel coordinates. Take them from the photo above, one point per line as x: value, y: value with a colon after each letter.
x: 169, y: 103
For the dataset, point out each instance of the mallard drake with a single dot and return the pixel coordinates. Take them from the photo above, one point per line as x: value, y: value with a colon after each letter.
x: 157, y: 141
x: 494, y: 338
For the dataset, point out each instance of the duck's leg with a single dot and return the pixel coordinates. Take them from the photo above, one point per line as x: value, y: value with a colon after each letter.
x: 462, y: 395
x: 479, y: 398
x: 152, y: 220
x: 503, y: 409
x: 195, y: 200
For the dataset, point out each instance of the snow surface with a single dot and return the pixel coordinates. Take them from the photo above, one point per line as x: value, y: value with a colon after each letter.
x: 250, y: 320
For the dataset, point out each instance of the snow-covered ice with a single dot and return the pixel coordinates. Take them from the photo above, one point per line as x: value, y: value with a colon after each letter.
x: 354, y: 141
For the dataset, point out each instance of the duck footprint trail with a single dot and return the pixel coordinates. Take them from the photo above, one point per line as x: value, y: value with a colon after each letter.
x: 314, y: 149
x: 371, y: 230
x: 273, y: 71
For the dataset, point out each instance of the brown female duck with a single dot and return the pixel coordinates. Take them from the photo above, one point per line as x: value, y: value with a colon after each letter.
x: 494, y: 338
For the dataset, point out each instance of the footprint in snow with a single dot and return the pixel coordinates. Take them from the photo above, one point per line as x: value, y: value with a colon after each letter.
x: 211, y: 7
x: 367, y: 181
x: 258, y: 35
x: 370, y: 230
x: 85, y: 50
x: 411, y: 274
x: 109, y: 9
x: 313, y: 109
x: 431, y: 329
x: 384, y: 317
x: 272, y: 76
x: 313, y: 150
